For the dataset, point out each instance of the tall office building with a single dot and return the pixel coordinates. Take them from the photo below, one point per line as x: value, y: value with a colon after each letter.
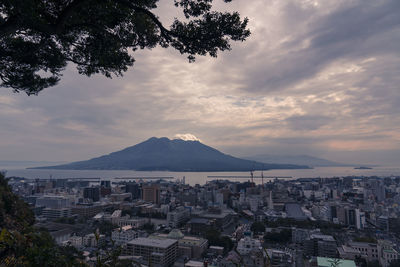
x: 151, y: 193
x: 106, y: 184
x: 134, y: 189
x: 92, y: 193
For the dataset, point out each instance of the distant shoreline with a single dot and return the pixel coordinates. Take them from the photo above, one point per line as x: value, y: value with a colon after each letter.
x: 158, y: 170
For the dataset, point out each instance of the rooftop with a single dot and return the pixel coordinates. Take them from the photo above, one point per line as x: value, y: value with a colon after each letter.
x: 199, y: 220
x: 328, y: 262
x: 362, y: 244
x: 323, y: 237
x: 152, y: 242
x: 294, y: 210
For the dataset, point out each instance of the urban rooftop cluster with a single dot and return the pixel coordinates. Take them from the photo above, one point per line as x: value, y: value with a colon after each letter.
x: 331, y: 222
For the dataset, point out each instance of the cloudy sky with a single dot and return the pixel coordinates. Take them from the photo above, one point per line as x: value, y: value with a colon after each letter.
x: 316, y: 77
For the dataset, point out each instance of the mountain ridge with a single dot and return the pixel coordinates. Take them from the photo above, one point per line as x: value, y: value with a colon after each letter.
x: 297, y: 160
x: 163, y: 154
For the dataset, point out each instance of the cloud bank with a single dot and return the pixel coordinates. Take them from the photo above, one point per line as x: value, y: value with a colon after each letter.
x: 315, y: 77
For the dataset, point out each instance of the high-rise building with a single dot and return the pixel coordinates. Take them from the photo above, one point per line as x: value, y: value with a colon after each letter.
x: 320, y: 245
x: 92, y: 193
x: 134, y: 189
x: 151, y: 193
x: 106, y: 184
x: 383, y: 223
x: 350, y: 218
x: 105, y: 188
x: 360, y: 219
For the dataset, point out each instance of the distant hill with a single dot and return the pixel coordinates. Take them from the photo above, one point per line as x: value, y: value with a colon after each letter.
x: 163, y: 154
x: 10, y: 164
x: 297, y: 160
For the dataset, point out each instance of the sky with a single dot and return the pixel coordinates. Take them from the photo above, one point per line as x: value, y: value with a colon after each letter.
x: 320, y: 78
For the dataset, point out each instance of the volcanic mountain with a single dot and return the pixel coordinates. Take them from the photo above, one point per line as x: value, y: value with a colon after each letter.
x: 163, y: 154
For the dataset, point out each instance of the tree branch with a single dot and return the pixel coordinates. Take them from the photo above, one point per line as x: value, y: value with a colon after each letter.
x: 67, y: 11
x: 9, y: 27
x: 164, y: 31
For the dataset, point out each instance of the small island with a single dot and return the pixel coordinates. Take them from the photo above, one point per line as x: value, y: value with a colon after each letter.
x: 363, y: 168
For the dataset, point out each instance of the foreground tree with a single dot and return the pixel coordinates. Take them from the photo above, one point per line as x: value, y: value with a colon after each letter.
x: 39, y: 37
x: 21, y: 244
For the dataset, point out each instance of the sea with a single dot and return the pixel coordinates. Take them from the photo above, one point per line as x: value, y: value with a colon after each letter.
x: 201, y: 178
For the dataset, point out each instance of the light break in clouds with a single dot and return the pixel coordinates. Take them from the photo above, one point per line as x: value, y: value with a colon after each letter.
x: 315, y: 77
x: 187, y: 137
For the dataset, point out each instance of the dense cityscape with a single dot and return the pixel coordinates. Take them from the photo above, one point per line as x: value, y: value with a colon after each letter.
x: 136, y: 133
x: 344, y: 221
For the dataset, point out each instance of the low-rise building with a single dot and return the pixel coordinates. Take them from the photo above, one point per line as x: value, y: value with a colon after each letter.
x: 191, y: 247
x: 76, y: 241
x: 247, y: 244
x: 90, y: 240
x: 387, y: 252
x: 369, y: 251
x: 320, y: 245
x: 87, y: 210
x: 279, y: 258
x: 177, y: 217
x: 124, y: 234
x: 348, y: 253
x: 160, y: 252
x: 127, y: 221
x: 56, y: 213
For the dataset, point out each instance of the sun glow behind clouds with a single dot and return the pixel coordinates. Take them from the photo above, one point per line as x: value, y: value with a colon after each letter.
x: 187, y: 137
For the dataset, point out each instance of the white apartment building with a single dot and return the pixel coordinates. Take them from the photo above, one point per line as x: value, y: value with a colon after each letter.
x: 123, y: 235
x: 247, y: 244
x: 178, y: 216
x: 160, y: 252
x: 76, y: 241
x: 91, y: 241
x: 125, y: 221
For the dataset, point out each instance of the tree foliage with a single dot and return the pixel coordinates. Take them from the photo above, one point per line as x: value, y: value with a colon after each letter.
x: 14, y: 212
x: 104, y: 227
x: 215, y: 239
x: 307, y: 224
x: 257, y: 227
x: 395, y: 263
x: 283, y: 236
x: 39, y: 37
x: 23, y: 245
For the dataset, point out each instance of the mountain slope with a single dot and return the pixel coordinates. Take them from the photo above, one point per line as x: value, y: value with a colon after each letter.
x: 164, y: 154
x: 297, y: 160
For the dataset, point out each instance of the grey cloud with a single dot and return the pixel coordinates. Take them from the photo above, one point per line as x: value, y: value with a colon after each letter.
x: 364, y: 28
x: 307, y: 122
x: 264, y: 81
